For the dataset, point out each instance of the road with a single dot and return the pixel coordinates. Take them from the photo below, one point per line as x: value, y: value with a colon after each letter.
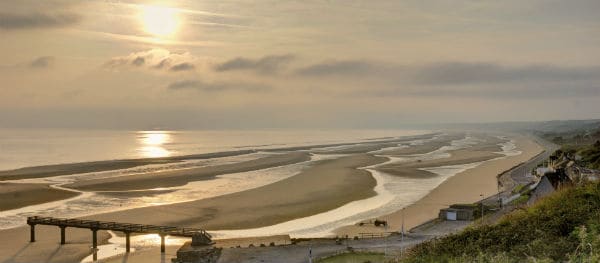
x: 299, y: 253
x: 521, y: 173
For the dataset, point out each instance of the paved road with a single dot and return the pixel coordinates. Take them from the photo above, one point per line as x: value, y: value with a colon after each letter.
x: 521, y: 173
x: 299, y: 253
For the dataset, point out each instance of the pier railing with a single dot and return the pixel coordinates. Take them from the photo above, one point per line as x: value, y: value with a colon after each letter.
x: 199, y: 236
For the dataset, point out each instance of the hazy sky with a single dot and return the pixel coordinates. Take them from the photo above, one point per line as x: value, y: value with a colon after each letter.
x: 273, y: 64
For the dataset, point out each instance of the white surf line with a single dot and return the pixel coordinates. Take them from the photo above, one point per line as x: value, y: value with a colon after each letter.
x: 116, y: 244
x: 298, y: 225
x: 142, y: 169
x: 509, y: 147
x: 90, y: 203
x: 315, y: 225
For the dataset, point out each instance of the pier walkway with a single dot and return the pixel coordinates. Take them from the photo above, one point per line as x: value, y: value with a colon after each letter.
x: 199, y: 236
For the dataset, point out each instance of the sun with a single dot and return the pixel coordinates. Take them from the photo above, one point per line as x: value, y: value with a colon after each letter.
x: 159, y: 21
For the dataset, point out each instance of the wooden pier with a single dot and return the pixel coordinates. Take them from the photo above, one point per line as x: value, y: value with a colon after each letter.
x: 199, y: 236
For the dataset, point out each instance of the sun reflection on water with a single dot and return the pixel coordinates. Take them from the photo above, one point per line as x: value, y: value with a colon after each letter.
x: 152, y: 143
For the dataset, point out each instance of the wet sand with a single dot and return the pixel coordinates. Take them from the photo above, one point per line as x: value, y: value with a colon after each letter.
x: 359, y: 148
x: 100, y: 166
x: 184, y: 176
x: 326, y: 185
x: 426, y: 147
x: 464, y: 187
x: 322, y: 187
x: 14, y: 195
x: 15, y: 245
x: 482, y: 151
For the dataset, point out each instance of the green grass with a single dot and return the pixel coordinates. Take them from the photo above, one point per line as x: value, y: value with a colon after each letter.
x: 562, y: 227
x: 591, y: 155
x: 521, y: 200
x: 354, y: 257
x: 518, y: 188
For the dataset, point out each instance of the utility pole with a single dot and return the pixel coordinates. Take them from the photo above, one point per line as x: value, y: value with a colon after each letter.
x: 402, y: 235
x: 386, y: 239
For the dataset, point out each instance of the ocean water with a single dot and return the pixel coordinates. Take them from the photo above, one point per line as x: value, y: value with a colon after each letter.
x: 32, y: 147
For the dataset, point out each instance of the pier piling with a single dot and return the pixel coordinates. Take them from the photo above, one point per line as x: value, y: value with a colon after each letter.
x: 199, y: 236
x: 127, y: 242
x: 62, y: 235
x: 94, y: 239
x: 32, y: 233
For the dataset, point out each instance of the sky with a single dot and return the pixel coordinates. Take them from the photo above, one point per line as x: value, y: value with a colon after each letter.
x: 296, y: 64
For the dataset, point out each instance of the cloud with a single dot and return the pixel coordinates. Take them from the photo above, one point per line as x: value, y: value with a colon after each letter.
x: 343, y: 67
x: 267, y: 64
x: 460, y: 73
x: 216, y: 86
x: 138, y: 61
x: 459, y: 79
x: 157, y: 59
x: 42, y: 62
x: 10, y: 21
x: 182, y: 67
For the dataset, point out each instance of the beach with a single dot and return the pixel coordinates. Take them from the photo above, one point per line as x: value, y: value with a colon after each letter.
x: 15, y: 195
x: 465, y: 187
x: 323, y: 186
x: 184, y: 176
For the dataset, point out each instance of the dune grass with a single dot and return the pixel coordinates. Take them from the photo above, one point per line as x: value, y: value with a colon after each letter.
x: 562, y: 227
x: 354, y: 257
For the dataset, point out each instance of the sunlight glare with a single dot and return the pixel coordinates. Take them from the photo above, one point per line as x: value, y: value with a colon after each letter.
x: 159, y: 21
x: 152, y: 143
x: 156, y: 138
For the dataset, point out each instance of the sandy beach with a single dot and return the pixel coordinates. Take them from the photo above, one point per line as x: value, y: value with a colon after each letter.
x: 99, y: 166
x: 184, y: 176
x: 17, y: 248
x: 325, y: 185
x: 319, y: 188
x: 464, y: 187
x: 16, y: 195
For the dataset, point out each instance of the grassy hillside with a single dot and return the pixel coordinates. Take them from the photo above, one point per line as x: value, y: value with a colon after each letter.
x: 590, y: 156
x: 563, y: 226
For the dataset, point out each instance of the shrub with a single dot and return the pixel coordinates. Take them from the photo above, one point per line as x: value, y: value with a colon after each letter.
x: 544, y: 231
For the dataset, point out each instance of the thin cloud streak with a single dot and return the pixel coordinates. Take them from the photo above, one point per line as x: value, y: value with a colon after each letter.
x: 185, y: 66
x: 151, y: 40
x: 42, y: 62
x: 10, y: 21
x: 216, y: 86
x: 266, y: 64
x: 155, y: 59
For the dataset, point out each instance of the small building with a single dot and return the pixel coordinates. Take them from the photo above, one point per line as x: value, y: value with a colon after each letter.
x: 548, y: 184
x: 540, y: 171
x: 458, y: 212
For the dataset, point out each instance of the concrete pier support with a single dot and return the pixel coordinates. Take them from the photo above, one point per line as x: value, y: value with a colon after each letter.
x: 32, y: 233
x: 162, y: 243
x: 62, y: 235
x: 127, y: 242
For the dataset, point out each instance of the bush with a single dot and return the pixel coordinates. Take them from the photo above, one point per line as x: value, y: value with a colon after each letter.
x: 541, y: 232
